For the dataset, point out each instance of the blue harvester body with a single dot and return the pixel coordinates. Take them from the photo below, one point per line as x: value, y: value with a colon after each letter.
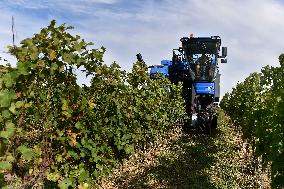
x: 195, y: 64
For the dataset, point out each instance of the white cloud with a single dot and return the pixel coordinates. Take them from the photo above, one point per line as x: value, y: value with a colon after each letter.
x: 102, y: 1
x: 252, y: 30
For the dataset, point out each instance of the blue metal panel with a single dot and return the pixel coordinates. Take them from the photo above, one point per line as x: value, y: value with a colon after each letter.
x: 166, y: 62
x: 205, y: 88
x: 159, y: 69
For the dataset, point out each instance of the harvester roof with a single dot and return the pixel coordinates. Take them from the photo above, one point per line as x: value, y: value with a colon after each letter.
x: 201, y: 45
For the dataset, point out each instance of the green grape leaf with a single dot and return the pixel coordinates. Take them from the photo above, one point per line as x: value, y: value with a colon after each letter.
x: 9, y: 130
x: 65, y: 184
x: 6, y: 113
x: 27, y: 153
x: 22, y: 68
x: 13, y: 108
x: 19, y: 104
x: 5, y: 165
x: 6, y: 97
x: 128, y: 149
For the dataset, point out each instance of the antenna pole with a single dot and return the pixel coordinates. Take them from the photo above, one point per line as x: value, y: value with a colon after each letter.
x: 13, y: 28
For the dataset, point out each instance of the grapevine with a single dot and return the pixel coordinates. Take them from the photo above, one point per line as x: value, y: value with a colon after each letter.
x: 257, y: 106
x: 55, y: 133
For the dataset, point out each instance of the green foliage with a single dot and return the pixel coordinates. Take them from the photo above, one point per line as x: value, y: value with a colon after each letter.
x: 54, y: 132
x: 257, y: 105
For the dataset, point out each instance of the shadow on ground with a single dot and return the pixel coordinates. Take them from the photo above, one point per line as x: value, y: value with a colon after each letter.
x: 182, y: 165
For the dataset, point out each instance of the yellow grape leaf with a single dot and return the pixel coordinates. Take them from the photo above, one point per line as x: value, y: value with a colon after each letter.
x: 52, y: 55
x: 83, y: 186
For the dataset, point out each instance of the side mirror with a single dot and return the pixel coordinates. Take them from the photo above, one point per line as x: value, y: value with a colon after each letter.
x: 223, y: 60
x: 224, y: 52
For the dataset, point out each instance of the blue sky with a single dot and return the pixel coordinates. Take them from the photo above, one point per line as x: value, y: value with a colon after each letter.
x: 252, y: 29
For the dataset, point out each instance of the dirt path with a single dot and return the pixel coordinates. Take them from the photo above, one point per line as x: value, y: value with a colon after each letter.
x: 192, y: 160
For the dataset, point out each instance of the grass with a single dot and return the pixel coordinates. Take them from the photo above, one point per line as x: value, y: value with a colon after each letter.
x: 193, y: 160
